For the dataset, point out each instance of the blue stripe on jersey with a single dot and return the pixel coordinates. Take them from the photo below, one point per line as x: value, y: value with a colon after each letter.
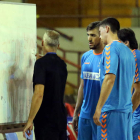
x: 118, y: 60
x: 90, y: 75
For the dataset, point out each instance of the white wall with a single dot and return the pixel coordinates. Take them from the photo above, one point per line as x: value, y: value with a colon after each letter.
x: 19, y: 134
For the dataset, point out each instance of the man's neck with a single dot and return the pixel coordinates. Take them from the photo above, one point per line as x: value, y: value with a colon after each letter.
x: 111, y: 38
x: 100, y: 48
x: 50, y: 49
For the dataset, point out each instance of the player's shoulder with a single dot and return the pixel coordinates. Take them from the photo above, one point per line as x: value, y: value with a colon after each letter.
x: 112, y: 46
x: 136, y: 54
x: 118, y: 46
x: 136, y: 51
x: 86, y: 54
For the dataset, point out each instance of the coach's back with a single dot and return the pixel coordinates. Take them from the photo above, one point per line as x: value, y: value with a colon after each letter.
x: 53, y: 77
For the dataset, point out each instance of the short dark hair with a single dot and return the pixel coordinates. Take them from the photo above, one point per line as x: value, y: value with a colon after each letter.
x: 126, y: 34
x: 93, y: 25
x: 112, y: 22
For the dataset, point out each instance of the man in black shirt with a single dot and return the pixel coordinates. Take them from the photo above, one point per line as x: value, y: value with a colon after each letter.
x: 49, y: 79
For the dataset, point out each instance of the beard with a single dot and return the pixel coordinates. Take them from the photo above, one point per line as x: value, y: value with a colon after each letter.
x: 94, y: 46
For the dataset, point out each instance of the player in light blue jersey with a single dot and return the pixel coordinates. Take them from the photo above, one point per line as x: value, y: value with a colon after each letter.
x: 127, y: 36
x: 114, y: 109
x: 89, y: 90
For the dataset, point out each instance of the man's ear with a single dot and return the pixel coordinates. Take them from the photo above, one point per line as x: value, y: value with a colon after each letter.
x: 127, y: 43
x: 107, y: 29
x: 42, y: 43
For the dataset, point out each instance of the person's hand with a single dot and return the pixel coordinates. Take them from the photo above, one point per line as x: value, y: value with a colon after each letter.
x: 75, y: 122
x: 28, y: 128
x: 96, y: 117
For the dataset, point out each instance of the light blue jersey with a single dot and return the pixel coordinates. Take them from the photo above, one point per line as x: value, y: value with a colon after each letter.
x: 118, y: 60
x: 87, y: 129
x: 116, y: 116
x: 90, y: 74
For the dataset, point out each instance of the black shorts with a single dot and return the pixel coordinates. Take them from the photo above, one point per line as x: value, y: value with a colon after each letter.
x: 49, y: 134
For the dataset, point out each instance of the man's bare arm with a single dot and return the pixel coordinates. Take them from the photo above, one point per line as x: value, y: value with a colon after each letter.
x: 105, y: 92
x: 35, y: 105
x: 136, y: 96
x: 78, y: 105
x: 79, y: 98
x: 36, y: 101
x: 106, y: 89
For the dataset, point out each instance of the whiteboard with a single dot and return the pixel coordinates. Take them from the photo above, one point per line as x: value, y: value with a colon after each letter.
x: 17, y: 58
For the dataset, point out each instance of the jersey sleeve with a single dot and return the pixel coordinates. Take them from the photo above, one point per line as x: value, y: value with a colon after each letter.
x: 137, y: 70
x: 39, y: 74
x: 110, y: 60
x: 82, y: 62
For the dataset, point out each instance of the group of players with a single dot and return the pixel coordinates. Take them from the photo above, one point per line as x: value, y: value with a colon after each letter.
x: 109, y: 93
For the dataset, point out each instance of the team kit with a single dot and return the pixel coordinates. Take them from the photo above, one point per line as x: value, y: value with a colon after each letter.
x: 110, y: 84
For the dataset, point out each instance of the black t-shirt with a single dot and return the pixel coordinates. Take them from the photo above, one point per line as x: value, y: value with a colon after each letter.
x: 51, y: 71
